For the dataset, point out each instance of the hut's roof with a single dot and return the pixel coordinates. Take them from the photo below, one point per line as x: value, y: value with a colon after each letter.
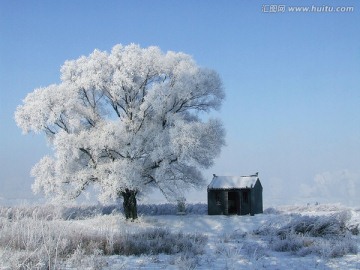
x: 230, y: 182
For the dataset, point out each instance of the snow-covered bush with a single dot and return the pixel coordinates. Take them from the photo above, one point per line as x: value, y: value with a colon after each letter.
x: 79, y: 260
x: 186, y: 261
x: 271, y: 211
x: 237, y: 243
x: 158, y: 240
x: 318, y: 226
x: 327, y: 236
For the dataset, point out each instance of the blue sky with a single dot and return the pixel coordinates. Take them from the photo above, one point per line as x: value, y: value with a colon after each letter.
x: 292, y: 82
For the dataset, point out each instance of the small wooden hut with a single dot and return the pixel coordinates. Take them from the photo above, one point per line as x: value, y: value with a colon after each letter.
x: 235, y: 195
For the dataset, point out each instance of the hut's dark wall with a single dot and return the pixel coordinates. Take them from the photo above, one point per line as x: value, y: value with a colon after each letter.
x: 216, y: 202
x: 245, y: 202
x: 256, y: 199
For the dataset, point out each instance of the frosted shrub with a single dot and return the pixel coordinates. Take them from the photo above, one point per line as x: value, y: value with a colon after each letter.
x: 318, y: 226
x: 254, y: 250
x: 80, y: 260
x: 228, y: 251
x: 156, y: 241
x: 290, y: 242
x: 272, y: 211
x: 181, y: 205
x: 186, y: 261
x: 326, y: 236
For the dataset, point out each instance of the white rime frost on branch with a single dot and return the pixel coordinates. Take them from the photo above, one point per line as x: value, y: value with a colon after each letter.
x: 125, y: 120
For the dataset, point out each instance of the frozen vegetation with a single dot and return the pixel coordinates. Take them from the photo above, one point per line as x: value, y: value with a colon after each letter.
x: 126, y: 122
x: 99, y: 237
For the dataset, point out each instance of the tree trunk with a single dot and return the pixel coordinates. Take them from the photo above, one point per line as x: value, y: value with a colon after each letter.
x: 130, y: 207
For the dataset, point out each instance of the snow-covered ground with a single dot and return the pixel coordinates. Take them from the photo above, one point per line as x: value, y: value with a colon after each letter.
x: 231, y: 241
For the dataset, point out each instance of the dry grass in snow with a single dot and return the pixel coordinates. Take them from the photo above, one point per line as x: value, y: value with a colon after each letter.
x: 52, y: 237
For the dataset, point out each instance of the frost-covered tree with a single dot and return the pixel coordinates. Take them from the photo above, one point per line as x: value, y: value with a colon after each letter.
x: 127, y: 122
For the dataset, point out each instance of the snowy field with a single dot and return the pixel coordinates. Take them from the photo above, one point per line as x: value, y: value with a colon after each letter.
x: 289, y: 237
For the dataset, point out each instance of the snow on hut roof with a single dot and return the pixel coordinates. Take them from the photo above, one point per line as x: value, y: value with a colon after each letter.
x: 229, y: 182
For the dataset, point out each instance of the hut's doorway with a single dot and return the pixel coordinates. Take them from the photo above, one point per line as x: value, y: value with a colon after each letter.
x: 233, y: 202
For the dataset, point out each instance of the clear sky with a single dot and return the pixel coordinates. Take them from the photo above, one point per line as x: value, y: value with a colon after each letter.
x: 292, y: 81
